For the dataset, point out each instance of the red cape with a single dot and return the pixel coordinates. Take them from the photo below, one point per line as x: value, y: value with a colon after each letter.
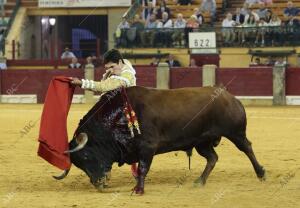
x: 53, y: 136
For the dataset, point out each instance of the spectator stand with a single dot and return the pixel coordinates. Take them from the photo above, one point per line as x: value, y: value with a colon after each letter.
x: 157, y: 55
x: 187, y: 10
x: 273, y: 53
x: 8, y: 13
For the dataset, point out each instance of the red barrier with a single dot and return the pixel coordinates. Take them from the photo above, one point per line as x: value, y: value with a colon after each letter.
x: 146, y: 76
x: 33, y: 81
x: 98, y: 73
x: 246, y: 82
x: 242, y: 82
x: 202, y: 59
x: 293, y: 81
x: 36, y: 81
x: 185, y: 77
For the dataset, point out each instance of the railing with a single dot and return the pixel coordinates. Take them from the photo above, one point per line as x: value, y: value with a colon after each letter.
x: 224, y: 5
x: 249, y: 37
x: 53, y: 50
x: 129, y: 14
x: 11, y: 20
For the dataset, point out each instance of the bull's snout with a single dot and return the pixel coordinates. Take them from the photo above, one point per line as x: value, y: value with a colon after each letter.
x: 98, y: 183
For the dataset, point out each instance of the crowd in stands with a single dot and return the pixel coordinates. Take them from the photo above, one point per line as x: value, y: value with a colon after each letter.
x: 255, y: 24
x: 155, y: 27
x: 269, y: 61
x: 261, y: 25
x: 172, y: 62
x: 3, y: 20
x: 69, y: 57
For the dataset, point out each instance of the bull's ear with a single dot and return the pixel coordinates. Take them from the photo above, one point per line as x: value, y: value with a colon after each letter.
x: 80, y: 138
x: 81, y: 141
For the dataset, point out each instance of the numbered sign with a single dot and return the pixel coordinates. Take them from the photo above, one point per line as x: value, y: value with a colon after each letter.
x: 202, y: 40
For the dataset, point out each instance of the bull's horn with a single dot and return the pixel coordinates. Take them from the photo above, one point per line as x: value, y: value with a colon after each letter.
x: 81, y: 140
x: 63, y: 175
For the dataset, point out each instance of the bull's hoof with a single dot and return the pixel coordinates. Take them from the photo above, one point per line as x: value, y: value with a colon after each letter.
x: 262, y: 178
x: 108, y: 176
x: 199, y: 182
x: 138, y: 190
x: 99, y: 184
x: 261, y: 174
x: 100, y: 187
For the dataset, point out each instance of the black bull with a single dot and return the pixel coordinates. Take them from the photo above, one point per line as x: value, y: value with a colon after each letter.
x: 170, y: 120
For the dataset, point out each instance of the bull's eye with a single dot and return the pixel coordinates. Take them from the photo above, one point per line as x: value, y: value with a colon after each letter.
x: 85, y: 156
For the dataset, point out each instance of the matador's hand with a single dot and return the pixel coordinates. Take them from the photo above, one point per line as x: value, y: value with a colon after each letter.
x: 75, y: 81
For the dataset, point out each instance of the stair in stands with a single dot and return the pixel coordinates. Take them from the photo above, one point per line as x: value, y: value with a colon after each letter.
x: 29, y: 3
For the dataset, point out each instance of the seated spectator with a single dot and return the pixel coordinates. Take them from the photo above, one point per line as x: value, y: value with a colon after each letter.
x: 280, y: 62
x: 211, y: 7
x: 275, y: 31
x: 252, y: 13
x: 154, y: 62
x: 251, y: 2
x: 290, y: 13
x: 162, y: 8
x: 248, y: 28
x: 262, y: 10
x: 144, y: 2
x: 148, y: 34
x: 166, y: 22
x: 261, y: 31
x: 199, y: 16
x: 121, y: 39
x: 267, y: 2
x: 89, y: 63
x: 148, y: 9
x: 192, y: 23
x: 184, y: 2
x: 3, y: 65
x: 164, y: 34
x: 268, y: 16
x: 228, y: 29
x: 245, y: 10
x: 178, y: 35
x: 134, y: 32
x: 67, y: 54
x: 256, y: 61
x: 96, y: 61
x: 270, y: 61
x: 74, y: 64
x: 172, y: 62
x: 238, y: 17
x: 193, y: 63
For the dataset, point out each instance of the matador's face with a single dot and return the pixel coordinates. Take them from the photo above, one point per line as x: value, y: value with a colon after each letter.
x: 114, y: 68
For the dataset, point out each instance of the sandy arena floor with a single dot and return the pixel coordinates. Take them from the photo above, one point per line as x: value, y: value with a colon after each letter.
x: 25, y: 179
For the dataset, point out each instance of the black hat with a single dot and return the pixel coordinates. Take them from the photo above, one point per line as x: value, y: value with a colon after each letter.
x: 112, y: 55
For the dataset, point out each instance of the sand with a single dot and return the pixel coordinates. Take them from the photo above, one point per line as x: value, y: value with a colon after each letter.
x: 25, y: 179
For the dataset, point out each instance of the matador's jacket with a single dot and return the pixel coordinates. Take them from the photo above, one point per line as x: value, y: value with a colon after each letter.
x: 125, y: 79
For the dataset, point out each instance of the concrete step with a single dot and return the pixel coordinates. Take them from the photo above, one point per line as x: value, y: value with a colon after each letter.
x: 9, y: 5
x: 8, y: 13
x: 29, y: 3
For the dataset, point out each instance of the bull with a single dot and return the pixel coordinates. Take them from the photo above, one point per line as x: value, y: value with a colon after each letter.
x: 170, y: 120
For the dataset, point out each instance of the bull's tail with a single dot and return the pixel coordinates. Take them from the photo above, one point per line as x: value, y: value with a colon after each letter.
x: 189, y: 153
